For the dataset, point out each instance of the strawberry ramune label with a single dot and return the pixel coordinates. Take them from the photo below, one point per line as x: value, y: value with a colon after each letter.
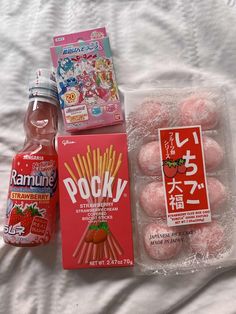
x: 32, y: 197
x: 184, y: 176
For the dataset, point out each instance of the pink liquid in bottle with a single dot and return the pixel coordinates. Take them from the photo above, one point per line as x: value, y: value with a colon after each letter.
x: 32, y: 196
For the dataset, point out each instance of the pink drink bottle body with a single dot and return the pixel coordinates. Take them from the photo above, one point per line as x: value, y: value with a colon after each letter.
x: 32, y: 196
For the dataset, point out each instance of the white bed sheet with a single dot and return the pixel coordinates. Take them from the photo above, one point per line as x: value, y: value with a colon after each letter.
x: 151, y: 41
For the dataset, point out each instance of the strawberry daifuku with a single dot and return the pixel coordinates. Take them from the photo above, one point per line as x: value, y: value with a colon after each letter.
x: 150, y: 115
x: 213, y: 153
x: 216, y: 192
x: 161, y: 242
x: 197, y: 110
x: 152, y: 199
x: 208, y: 239
x: 149, y: 159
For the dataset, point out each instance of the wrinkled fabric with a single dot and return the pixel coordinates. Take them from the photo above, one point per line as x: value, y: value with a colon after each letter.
x: 152, y: 42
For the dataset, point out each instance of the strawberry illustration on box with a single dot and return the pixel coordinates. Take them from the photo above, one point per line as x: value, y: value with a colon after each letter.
x: 172, y: 167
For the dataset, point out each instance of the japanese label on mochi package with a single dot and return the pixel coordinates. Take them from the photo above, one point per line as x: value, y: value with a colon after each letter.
x: 86, y: 81
x: 186, y: 193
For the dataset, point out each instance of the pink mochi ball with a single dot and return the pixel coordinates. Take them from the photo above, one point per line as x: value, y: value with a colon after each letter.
x: 149, y: 159
x: 199, y: 111
x: 152, y: 199
x: 207, y: 239
x: 150, y: 115
x: 216, y: 192
x: 161, y: 242
x: 213, y: 153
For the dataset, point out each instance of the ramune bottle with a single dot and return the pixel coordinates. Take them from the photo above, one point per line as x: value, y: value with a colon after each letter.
x: 32, y: 196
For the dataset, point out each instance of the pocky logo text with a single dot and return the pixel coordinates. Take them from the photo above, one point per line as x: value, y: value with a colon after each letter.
x: 94, y: 189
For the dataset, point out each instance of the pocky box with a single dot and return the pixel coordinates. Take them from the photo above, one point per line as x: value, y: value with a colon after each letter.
x: 86, y: 81
x: 95, y: 201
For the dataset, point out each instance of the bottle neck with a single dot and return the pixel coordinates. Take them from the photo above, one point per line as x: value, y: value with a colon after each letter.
x: 36, y: 99
x: 40, y: 125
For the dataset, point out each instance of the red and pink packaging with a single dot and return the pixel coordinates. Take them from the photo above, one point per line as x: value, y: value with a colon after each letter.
x: 86, y: 82
x: 79, y: 36
x: 182, y: 179
x: 95, y: 201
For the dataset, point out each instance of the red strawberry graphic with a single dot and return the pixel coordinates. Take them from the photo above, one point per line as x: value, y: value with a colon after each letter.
x: 99, y: 236
x: 182, y: 169
x: 28, y: 215
x: 15, y: 216
x: 26, y: 221
x: 181, y: 165
x: 97, y: 233
x: 89, y: 236
x: 170, y: 168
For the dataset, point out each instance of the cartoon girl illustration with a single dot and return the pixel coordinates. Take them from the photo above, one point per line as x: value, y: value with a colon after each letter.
x: 64, y: 66
x: 90, y: 92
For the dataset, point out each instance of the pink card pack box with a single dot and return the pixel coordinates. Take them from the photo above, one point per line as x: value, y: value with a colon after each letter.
x: 86, y: 81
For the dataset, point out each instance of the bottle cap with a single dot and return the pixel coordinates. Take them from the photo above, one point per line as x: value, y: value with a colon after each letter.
x: 43, y: 85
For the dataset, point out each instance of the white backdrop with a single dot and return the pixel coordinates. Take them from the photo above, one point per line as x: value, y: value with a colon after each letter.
x: 151, y: 41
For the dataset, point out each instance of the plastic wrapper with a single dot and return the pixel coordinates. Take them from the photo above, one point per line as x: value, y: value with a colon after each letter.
x: 173, y: 237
